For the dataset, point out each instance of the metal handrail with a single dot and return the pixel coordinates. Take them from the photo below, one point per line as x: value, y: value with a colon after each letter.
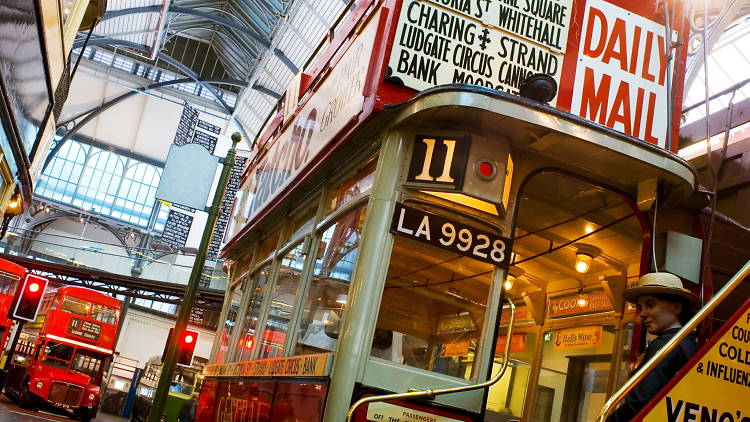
x: 674, y: 341
x: 430, y: 394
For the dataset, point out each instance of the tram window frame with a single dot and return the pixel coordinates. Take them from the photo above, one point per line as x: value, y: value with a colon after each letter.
x: 281, y: 257
x: 356, y: 205
x: 247, y: 310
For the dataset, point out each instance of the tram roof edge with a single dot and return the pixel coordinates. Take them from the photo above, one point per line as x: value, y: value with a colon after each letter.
x: 608, y: 145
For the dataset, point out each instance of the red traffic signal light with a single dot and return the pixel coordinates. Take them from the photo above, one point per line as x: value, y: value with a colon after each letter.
x: 186, y: 347
x: 29, y: 298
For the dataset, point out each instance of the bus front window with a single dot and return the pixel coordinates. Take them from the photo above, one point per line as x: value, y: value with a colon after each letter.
x: 89, y: 363
x: 104, y: 314
x: 76, y: 306
x: 57, y: 354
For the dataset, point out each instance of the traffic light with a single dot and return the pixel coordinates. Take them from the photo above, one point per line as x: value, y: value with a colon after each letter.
x: 29, y: 297
x: 186, y: 347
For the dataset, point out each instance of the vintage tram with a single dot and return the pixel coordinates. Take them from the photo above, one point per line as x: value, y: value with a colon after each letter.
x: 391, y: 207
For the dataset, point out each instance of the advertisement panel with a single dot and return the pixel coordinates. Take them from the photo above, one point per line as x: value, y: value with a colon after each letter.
x: 721, y: 368
x: 334, y: 104
x: 609, y: 58
x: 493, y: 44
x: 256, y: 400
x: 578, y: 337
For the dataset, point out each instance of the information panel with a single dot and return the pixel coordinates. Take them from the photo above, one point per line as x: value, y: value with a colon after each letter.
x: 715, y: 383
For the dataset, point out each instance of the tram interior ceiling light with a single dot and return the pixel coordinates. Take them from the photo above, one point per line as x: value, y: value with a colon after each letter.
x: 539, y: 87
x: 513, y: 274
x: 584, y: 255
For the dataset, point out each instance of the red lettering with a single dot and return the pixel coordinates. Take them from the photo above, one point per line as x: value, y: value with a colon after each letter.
x: 621, y: 108
x: 638, y: 112
x: 634, y: 51
x: 650, y: 120
x: 617, y: 45
x: 594, y: 100
x: 647, y: 57
x: 587, y: 50
x: 662, y: 59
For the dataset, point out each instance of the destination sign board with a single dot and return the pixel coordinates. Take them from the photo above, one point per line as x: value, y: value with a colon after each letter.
x: 86, y: 329
x: 438, y: 231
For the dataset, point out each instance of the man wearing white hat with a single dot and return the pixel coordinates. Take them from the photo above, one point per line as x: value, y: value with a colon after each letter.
x: 664, y: 306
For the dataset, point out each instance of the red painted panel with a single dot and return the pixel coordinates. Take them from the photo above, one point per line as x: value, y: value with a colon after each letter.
x: 299, y: 402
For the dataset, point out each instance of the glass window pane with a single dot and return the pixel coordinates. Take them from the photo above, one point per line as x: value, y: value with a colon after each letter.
x: 357, y: 184
x: 327, y: 295
x: 230, y: 322
x: 282, y: 303
x: 442, y: 333
x: 76, y: 306
x: 250, y: 323
x: 575, y: 375
x: 506, y: 398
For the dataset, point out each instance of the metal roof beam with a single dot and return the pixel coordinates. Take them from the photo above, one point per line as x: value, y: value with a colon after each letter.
x: 210, y: 17
x: 270, y: 92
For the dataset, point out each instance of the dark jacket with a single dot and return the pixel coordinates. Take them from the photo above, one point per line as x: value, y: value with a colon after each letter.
x: 649, y: 386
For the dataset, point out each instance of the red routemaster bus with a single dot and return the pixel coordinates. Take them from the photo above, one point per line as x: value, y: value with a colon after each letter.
x: 10, y: 276
x: 59, y: 358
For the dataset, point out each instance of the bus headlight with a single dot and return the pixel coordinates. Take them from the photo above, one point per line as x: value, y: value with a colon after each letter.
x: 39, y: 385
x: 92, y: 396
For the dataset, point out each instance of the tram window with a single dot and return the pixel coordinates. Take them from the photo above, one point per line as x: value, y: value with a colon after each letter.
x: 58, y: 354
x: 327, y: 295
x: 302, y: 223
x: 76, y: 306
x: 250, y: 322
x: 228, y: 328
x: 104, y: 314
x: 351, y: 188
x: 440, y: 334
x: 506, y: 398
x: 282, y: 302
x: 268, y: 246
x: 575, y: 372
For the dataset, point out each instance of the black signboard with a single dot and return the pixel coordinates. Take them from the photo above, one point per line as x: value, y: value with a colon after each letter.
x: 186, y: 127
x: 176, y: 229
x: 439, y: 161
x: 226, y: 205
x: 86, y: 329
x: 205, y: 140
x: 450, y: 235
x: 208, y: 127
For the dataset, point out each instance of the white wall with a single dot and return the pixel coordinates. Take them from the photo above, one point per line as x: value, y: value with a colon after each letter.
x: 143, y: 337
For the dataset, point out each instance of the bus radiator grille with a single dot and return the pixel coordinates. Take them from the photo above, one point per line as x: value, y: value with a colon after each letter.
x: 65, y: 395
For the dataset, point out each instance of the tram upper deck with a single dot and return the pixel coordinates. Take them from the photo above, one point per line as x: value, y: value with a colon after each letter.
x: 377, y: 231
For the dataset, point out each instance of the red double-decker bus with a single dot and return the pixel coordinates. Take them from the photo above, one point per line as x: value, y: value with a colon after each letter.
x: 10, y: 276
x: 59, y: 358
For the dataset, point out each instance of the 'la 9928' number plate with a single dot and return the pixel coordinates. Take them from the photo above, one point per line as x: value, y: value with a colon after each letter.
x: 450, y: 235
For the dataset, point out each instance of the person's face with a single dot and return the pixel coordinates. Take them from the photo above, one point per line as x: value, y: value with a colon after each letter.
x: 658, y: 315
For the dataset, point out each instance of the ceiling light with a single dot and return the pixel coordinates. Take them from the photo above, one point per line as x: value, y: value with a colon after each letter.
x: 584, y: 255
x: 341, y: 298
x: 513, y: 274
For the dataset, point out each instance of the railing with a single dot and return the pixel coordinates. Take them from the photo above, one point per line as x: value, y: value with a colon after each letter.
x: 118, y: 259
x: 735, y: 281
x: 430, y: 394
